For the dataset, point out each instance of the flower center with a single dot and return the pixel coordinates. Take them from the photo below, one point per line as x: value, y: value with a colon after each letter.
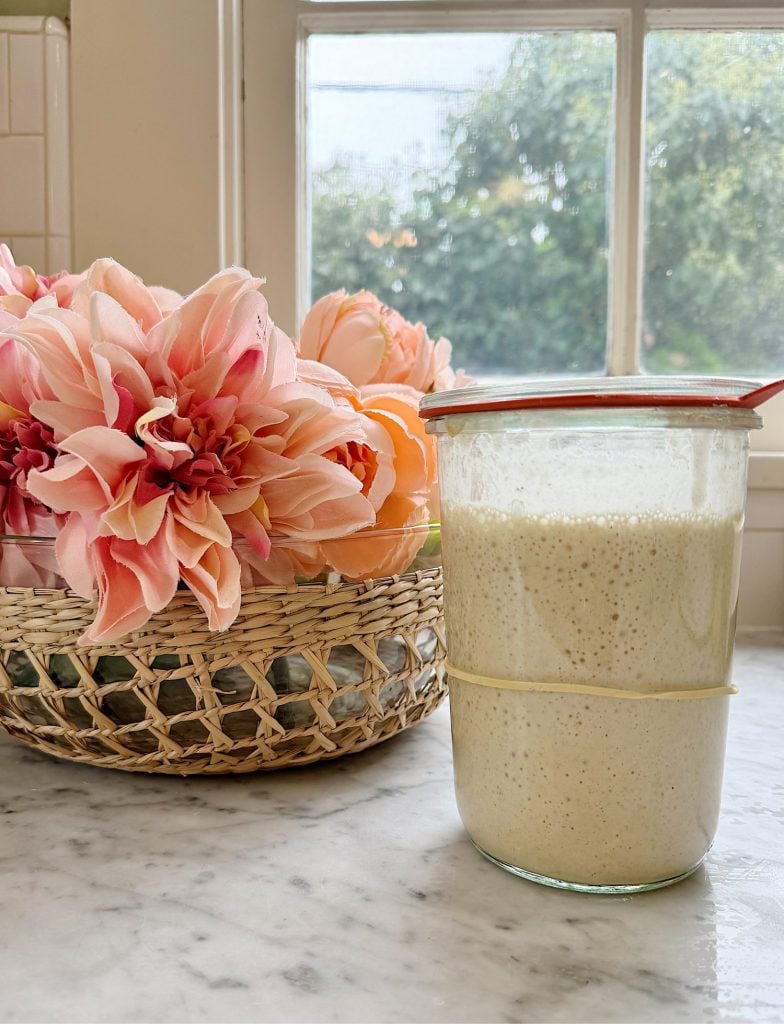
x: 359, y: 459
x: 212, y: 465
x: 25, y: 444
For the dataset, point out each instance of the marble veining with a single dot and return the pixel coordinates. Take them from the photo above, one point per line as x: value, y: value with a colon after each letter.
x: 350, y: 892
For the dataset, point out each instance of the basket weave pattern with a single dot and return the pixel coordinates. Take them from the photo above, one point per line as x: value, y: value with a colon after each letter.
x: 305, y: 673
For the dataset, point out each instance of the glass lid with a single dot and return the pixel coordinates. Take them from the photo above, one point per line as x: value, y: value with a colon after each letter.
x: 601, y: 392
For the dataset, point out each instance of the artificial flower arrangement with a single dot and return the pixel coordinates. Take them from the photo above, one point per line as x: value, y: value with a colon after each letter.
x: 170, y: 442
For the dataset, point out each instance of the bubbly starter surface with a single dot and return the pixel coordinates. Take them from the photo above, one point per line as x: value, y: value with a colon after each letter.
x: 583, y: 788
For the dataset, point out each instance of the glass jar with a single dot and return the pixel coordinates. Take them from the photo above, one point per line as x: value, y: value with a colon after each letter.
x: 591, y: 562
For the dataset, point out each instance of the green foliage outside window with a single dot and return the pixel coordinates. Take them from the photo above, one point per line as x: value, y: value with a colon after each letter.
x: 505, y: 250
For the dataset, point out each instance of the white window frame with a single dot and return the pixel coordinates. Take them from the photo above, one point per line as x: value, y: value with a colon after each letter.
x: 275, y: 93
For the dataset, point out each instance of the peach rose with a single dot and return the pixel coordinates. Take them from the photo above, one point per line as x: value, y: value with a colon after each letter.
x: 393, y: 459
x: 405, y: 455
x: 370, y: 343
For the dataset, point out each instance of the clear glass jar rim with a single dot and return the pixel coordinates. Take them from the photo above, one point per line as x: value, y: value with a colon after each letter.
x: 589, y: 392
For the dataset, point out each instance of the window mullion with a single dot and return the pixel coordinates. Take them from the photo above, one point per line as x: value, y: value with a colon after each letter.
x: 626, y: 224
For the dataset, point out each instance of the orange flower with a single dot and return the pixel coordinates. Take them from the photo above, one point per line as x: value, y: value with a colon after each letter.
x: 394, y: 460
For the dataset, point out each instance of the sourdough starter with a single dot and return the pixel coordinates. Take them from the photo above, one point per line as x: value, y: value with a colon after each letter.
x: 577, y: 787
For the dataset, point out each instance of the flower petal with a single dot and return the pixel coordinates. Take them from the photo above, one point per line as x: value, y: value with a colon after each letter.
x: 154, y: 566
x: 248, y: 525
x: 166, y: 298
x: 326, y: 377
x: 20, y: 377
x: 109, y: 322
x: 132, y: 521
x: 73, y: 556
x: 67, y: 419
x: 319, y: 324
x: 356, y: 347
x: 121, y: 604
x: 373, y: 553
x: 108, y: 453
x: 129, y: 291
x: 215, y: 583
x: 192, y: 527
x: 320, y: 500
x: 61, y: 342
x: 69, y: 486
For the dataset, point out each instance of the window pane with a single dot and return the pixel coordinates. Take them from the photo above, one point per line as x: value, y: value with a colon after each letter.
x: 714, y: 269
x: 464, y: 179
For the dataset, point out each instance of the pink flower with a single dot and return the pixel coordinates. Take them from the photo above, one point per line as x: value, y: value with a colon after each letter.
x: 20, y: 287
x: 147, y: 306
x: 347, y: 333
x: 26, y: 444
x: 179, y: 432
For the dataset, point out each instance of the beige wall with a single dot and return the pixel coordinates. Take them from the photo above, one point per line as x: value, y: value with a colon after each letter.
x: 146, y: 134
x: 158, y: 141
x: 272, y: 190
x: 761, y: 600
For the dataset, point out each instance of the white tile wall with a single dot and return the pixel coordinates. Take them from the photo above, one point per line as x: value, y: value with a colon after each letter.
x: 26, y: 72
x: 35, y: 175
x: 22, y: 196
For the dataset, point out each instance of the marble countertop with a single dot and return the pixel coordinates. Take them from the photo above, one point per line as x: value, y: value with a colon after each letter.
x: 350, y: 892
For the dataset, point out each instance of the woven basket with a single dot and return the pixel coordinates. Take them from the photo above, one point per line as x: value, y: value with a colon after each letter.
x: 305, y: 673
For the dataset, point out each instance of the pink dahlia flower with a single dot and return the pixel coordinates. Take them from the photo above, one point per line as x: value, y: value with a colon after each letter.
x: 179, y: 430
x: 26, y: 444
x: 20, y: 287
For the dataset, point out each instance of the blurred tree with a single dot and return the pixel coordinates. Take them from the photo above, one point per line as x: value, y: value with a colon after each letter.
x: 505, y: 250
x: 352, y: 228
x: 714, y: 298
